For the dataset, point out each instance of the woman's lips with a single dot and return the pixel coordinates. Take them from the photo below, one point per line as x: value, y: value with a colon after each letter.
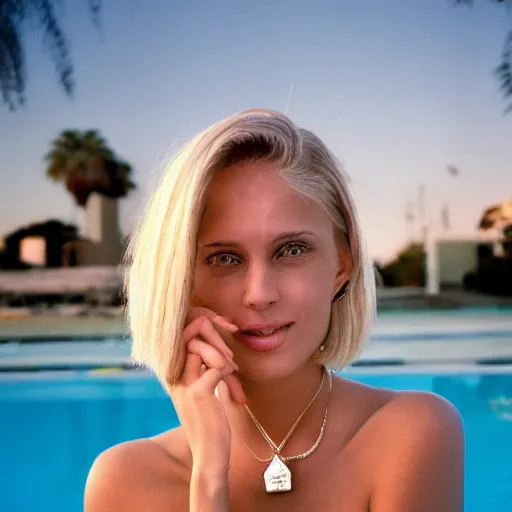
x: 261, y: 343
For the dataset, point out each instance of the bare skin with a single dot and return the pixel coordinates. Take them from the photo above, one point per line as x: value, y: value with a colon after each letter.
x: 382, y: 450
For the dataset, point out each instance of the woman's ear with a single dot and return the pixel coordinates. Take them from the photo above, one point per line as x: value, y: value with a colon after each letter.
x: 345, y: 265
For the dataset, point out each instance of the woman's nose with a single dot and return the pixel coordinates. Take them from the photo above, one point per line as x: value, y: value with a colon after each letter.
x: 261, y: 287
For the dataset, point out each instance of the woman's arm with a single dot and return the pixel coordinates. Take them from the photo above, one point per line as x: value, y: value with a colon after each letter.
x: 117, y: 482
x: 209, y: 491
x: 422, y: 469
x: 206, y: 386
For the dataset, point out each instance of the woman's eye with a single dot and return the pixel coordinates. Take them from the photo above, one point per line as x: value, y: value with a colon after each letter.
x: 294, y: 250
x: 222, y: 260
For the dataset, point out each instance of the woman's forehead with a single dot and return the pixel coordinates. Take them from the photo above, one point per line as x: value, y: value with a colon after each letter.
x: 250, y: 183
x: 253, y: 199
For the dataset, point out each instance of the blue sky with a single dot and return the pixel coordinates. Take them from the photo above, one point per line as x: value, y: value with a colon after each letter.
x: 397, y: 88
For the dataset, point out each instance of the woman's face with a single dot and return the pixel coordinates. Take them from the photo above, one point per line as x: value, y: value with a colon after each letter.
x: 268, y: 259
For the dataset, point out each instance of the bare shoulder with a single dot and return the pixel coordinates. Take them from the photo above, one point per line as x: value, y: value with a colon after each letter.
x: 137, y: 475
x: 400, y: 411
x: 410, y: 446
x: 411, y: 413
x: 423, y: 448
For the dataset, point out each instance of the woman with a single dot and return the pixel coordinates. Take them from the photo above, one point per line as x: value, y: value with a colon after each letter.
x: 249, y: 279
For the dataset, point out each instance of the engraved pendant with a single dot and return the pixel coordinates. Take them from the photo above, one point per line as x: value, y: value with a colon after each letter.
x: 278, y: 478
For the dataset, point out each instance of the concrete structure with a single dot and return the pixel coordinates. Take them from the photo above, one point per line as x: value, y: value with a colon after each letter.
x: 449, y: 261
x: 101, y: 219
x: 432, y: 281
x: 455, y: 259
x: 101, y: 244
x: 93, y: 284
x: 53, y: 244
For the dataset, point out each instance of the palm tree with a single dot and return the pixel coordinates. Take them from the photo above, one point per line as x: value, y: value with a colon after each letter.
x: 85, y: 163
x: 498, y: 217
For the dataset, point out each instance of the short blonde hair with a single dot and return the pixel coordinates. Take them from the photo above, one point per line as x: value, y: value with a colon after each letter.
x: 162, y: 250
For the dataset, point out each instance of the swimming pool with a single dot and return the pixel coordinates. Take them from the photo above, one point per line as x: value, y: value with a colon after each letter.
x: 52, y: 428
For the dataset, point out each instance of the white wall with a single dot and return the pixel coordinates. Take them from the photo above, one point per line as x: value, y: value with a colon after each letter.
x: 101, y: 228
x: 101, y: 219
x: 455, y: 259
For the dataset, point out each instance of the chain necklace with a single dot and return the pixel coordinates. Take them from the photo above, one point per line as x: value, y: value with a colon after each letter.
x: 275, y: 448
x: 277, y: 476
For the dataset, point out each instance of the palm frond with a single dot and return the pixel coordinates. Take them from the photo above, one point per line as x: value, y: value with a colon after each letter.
x: 12, y: 57
x: 504, y: 71
x: 14, y: 14
x: 56, y: 43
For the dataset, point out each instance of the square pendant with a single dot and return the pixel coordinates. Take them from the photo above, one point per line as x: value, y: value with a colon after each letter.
x: 278, y: 478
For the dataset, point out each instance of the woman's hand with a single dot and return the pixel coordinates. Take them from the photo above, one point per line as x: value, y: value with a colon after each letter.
x: 206, y: 386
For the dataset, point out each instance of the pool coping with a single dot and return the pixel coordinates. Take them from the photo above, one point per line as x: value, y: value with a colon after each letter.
x: 129, y: 374
x: 86, y: 355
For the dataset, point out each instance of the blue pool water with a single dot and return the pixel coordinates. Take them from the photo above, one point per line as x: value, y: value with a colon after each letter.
x: 51, y: 430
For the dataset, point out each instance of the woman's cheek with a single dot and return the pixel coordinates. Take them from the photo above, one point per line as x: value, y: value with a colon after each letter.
x: 201, y: 289
x: 212, y: 293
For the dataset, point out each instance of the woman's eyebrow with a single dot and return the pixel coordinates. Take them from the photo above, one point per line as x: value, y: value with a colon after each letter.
x: 292, y: 234
x: 279, y: 238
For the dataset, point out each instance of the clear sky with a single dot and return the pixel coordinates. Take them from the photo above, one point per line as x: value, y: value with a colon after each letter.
x: 398, y: 89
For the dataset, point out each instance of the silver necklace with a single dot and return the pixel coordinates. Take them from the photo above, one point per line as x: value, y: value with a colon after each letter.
x: 277, y: 475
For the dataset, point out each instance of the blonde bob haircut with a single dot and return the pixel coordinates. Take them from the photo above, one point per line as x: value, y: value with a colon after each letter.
x: 162, y: 252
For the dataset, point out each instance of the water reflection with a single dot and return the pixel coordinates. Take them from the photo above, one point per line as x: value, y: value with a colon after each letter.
x: 50, y: 432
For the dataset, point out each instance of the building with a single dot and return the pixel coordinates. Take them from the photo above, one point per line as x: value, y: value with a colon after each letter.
x: 101, y: 243
x: 39, y: 245
x: 456, y: 259
x: 53, y: 244
x: 476, y: 265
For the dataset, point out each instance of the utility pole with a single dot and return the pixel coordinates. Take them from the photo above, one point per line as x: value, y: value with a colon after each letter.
x: 422, y: 208
x: 429, y: 245
x: 454, y: 172
x: 445, y: 217
x: 431, y: 263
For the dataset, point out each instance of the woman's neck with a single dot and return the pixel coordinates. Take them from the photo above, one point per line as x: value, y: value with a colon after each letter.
x: 277, y: 405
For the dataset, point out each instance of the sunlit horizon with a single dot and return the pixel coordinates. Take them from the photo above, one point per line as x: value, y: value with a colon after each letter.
x: 399, y: 91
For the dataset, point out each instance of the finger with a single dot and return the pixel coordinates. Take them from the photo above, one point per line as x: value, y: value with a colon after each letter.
x: 196, y: 312
x: 192, y: 368
x: 223, y: 322
x: 222, y: 392
x: 203, y: 327
x: 208, y: 381
x: 235, y: 389
x: 210, y: 356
